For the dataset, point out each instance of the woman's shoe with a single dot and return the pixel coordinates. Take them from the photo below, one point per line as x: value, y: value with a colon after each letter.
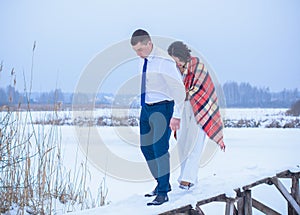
x: 185, y: 185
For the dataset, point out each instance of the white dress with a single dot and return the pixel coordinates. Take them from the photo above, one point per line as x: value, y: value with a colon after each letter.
x: 191, y: 139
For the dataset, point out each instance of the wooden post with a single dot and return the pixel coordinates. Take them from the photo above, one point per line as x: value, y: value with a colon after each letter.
x: 229, y: 207
x: 248, y: 202
x: 295, y: 194
x: 240, y: 206
x: 263, y: 208
x: 240, y: 201
x: 295, y: 189
x: 199, y: 211
x: 286, y: 194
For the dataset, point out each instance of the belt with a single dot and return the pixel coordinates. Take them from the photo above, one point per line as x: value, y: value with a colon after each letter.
x: 159, y: 103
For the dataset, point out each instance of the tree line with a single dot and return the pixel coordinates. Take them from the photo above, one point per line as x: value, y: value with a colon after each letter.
x: 245, y: 95
x: 239, y: 95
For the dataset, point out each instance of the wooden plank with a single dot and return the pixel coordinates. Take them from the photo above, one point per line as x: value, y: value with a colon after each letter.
x: 291, y: 211
x: 248, y: 202
x: 238, y: 192
x: 286, y: 194
x: 235, y: 212
x: 262, y: 181
x: 288, y: 174
x: 263, y: 208
x: 295, y: 194
x: 294, y: 189
x: 182, y: 210
x: 219, y: 198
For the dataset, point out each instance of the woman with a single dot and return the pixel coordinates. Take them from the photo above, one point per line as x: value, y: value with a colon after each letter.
x: 201, y: 116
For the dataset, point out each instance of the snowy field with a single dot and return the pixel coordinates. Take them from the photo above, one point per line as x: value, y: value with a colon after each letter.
x: 251, y: 154
x: 233, y: 118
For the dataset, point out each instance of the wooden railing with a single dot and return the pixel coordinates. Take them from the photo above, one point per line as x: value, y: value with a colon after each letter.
x: 243, y: 202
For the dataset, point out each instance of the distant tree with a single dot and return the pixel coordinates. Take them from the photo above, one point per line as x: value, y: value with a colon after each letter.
x: 14, y: 97
x: 295, y: 109
x: 81, y: 98
x: 296, y: 94
x: 231, y: 92
x: 3, y: 97
x: 51, y: 97
x: 246, y: 94
x: 58, y: 95
x: 43, y: 98
x: 285, y: 98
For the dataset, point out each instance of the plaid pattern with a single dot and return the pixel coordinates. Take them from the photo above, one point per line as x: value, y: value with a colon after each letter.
x: 203, y: 98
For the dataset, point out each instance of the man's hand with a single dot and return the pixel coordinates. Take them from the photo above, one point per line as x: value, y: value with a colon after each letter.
x: 174, y: 124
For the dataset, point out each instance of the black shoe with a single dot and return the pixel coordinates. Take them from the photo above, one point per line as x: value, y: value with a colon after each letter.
x: 155, y: 192
x: 152, y: 193
x: 160, y: 199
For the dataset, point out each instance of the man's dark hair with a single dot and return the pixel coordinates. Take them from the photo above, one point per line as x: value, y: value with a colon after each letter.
x: 180, y: 50
x: 140, y: 35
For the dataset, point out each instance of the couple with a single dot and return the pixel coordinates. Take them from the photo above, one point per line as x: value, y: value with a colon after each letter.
x: 175, y: 96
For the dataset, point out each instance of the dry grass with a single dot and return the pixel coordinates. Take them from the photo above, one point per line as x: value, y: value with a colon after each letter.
x: 33, y: 179
x: 32, y: 174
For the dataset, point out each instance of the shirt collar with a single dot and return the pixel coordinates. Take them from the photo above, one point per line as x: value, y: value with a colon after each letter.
x: 158, y: 53
x: 152, y: 53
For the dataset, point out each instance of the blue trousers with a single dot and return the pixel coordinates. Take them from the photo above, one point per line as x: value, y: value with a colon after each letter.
x: 154, y: 138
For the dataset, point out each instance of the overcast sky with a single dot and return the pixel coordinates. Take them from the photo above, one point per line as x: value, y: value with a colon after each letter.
x: 255, y: 41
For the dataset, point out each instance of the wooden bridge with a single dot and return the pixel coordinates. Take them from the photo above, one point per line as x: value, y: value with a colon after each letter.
x: 243, y: 202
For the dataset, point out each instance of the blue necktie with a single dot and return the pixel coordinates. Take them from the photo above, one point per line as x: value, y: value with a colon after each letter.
x: 143, y: 88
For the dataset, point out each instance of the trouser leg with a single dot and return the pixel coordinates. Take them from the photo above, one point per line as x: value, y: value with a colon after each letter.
x: 155, y: 134
x: 190, y: 142
x: 146, y: 142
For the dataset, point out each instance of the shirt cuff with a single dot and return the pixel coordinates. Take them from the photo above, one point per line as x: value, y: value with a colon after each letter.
x: 177, y: 111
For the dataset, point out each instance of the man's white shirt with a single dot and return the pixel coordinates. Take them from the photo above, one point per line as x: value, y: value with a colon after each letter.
x: 163, y: 80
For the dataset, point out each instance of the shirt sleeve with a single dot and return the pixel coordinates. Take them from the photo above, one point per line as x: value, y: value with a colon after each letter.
x: 176, y: 88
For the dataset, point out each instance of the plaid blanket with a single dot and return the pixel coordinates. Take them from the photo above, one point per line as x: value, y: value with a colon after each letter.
x: 203, y: 98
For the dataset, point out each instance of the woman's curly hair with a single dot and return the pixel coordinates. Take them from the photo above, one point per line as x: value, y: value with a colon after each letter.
x: 180, y: 50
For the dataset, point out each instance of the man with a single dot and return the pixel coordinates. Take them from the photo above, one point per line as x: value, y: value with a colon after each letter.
x: 162, y: 97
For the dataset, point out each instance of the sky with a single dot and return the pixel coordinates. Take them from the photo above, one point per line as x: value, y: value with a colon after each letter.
x: 250, y: 41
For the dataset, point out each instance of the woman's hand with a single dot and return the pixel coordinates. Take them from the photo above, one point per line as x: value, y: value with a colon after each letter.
x: 222, y: 146
x: 174, y: 124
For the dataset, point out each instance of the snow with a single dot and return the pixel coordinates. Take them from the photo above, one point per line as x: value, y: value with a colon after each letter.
x: 251, y: 154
